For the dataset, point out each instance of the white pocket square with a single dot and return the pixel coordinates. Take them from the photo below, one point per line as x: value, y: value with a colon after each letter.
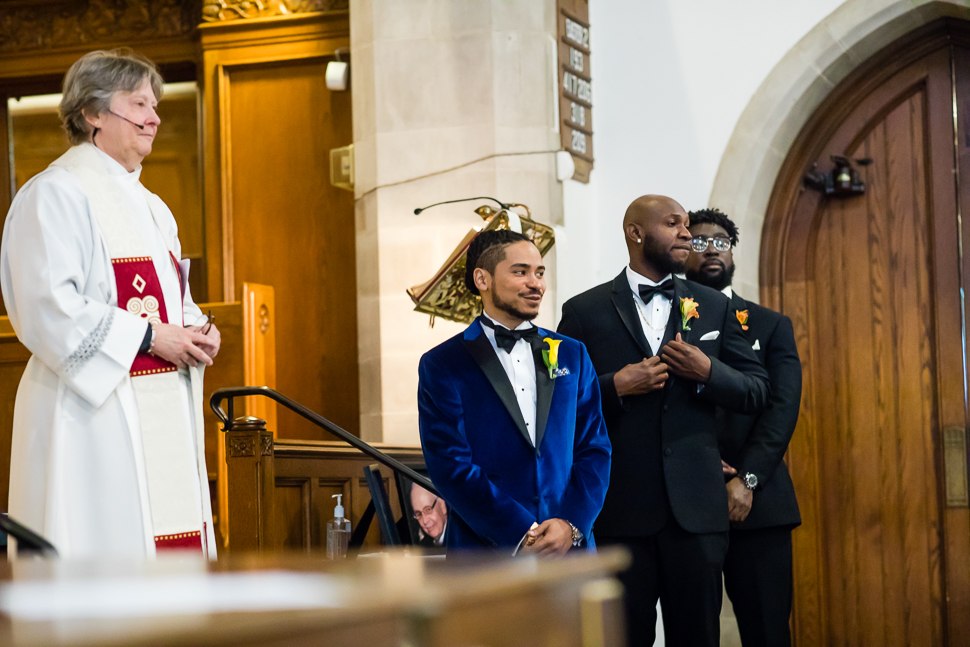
x: 711, y: 335
x: 757, y: 345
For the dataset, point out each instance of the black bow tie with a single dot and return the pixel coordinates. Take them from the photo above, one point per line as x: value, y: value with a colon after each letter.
x: 647, y: 292
x: 506, y: 339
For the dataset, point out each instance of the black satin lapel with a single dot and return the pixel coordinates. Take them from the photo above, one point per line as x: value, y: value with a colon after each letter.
x: 484, y: 355
x: 545, y: 387
x: 627, y: 309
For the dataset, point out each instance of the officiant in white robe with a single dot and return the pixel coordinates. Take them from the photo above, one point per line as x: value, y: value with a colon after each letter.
x: 108, y: 456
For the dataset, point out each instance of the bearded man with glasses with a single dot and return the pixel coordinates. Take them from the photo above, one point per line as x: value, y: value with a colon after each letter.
x: 761, y: 497
x: 668, y: 353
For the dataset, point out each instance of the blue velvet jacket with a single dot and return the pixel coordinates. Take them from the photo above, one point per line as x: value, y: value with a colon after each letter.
x: 478, y: 452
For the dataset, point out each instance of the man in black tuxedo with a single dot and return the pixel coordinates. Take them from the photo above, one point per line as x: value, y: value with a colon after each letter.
x: 761, y: 498
x: 667, y: 352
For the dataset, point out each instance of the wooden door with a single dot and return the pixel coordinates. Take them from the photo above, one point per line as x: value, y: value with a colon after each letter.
x: 873, y: 286
x: 272, y: 123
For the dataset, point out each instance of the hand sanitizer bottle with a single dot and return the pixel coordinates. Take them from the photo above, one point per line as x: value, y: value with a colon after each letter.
x: 338, y: 531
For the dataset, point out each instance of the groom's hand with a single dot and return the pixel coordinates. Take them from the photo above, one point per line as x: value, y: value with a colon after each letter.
x: 687, y: 361
x: 554, y: 538
x: 643, y: 377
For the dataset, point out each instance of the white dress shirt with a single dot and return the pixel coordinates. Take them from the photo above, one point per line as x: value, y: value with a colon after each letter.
x: 728, y: 292
x: 521, y: 369
x: 654, y: 315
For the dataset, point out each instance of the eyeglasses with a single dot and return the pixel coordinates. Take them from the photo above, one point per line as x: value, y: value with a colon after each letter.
x: 424, y: 512
x: 700, y: 243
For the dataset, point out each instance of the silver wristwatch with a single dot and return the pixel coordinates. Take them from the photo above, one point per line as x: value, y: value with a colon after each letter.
x: 577, y: 535
x: 750, y: 481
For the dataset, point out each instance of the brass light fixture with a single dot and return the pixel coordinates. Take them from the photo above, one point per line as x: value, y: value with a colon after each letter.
x: 843, y: 181
x: 445, y: 294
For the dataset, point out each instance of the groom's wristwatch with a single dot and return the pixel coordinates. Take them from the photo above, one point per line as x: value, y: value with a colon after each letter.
x: 750, y: 481
x: 577, y: 535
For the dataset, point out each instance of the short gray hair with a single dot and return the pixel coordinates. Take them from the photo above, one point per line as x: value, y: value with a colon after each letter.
x: 93, y: 80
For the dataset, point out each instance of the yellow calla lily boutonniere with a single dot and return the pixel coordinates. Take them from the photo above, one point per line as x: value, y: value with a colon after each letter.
x: 551, y: 356
x: 742, y: 316
x: 688, y: 311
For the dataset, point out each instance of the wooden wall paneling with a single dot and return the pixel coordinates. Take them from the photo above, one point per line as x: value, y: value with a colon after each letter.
x: 38, y: 140
x: 259, y: 341
x: 7, y: 170
x: 282, y: 223
x: 247, y: 348
x: 227, y: 370
x: 47, y: 65
x: 871, y: 285
x: 331, y: 467
x: 172, y: 171
x: 956, y: 520
x: 244, y: 43
x: 6, y: 173
x: 293, y: 513
x: 294, y: 236
x: 13, y: 362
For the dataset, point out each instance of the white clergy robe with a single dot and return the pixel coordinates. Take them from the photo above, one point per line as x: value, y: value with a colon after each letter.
x: 78, y: 467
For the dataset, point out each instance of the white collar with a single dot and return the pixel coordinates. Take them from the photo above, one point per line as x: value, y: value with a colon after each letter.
x: 525, y: 325
x: 636, y: 280
x: 115, y: 169
x: 728, y: 292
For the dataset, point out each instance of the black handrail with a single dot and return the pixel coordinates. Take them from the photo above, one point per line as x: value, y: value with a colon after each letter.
x: 215, y: 402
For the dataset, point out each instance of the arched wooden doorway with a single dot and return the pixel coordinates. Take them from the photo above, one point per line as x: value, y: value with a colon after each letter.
x: 874, y: 287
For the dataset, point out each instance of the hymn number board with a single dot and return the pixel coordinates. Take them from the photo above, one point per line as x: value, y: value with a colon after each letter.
x: 576, y: 85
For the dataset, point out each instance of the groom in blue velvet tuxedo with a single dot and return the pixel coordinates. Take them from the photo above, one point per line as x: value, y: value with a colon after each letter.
x: 511, y: 426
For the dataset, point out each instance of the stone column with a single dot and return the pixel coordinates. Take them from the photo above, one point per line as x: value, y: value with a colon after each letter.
x: 451, y: 100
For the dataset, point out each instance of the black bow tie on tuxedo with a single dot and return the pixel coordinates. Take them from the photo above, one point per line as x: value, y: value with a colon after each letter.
x: 506, y: 339
x: 647, y: 292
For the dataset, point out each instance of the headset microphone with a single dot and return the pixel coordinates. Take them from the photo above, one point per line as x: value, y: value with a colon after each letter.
x: 417, y: 212
x: 139, y: 126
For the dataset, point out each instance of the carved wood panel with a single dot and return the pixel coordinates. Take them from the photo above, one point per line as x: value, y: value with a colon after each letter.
x: 323, y: 469
x: 224, y: 10
x: 46, y: 24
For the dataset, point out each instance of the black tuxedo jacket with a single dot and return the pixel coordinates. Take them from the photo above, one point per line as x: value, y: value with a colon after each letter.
x: 758, y: 443
x: 665, y: 454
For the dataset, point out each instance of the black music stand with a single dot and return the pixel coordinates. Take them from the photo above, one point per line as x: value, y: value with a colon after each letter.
x: 28, y: 541
x: 382, y: 505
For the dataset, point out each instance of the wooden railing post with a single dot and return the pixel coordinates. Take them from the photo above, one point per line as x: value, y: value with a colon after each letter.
x: 249, y: 459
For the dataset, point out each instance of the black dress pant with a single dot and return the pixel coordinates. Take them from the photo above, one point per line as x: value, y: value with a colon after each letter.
x: 758, y: 579
x: 683, y: 571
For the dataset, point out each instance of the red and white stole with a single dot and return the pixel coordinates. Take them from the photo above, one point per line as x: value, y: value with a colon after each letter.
x: 174, y: 461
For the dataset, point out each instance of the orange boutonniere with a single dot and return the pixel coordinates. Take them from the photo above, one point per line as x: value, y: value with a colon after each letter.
x: 742, y: 316
x: 688, y: 311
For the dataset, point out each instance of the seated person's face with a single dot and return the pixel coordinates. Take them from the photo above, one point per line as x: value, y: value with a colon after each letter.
x: 429, y: 511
